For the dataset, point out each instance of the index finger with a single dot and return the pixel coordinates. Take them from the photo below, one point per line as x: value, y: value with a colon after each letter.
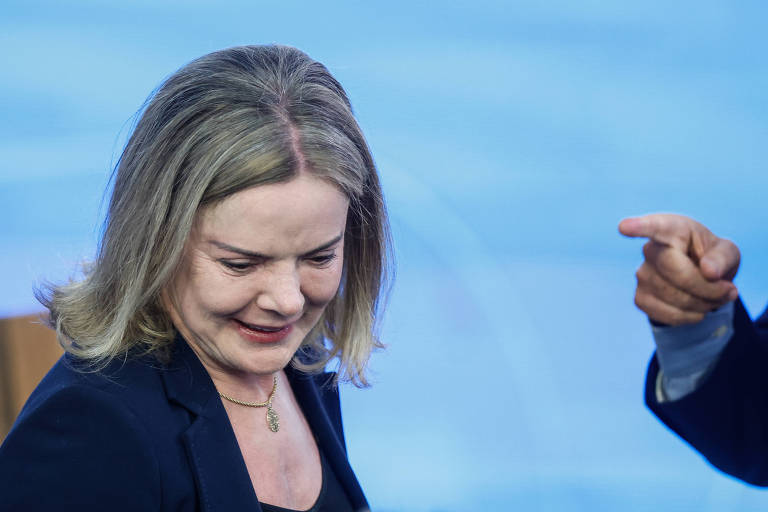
x: 665, y: 228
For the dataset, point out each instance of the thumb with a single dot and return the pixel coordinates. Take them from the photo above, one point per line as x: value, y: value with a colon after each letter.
x: 720, y: 261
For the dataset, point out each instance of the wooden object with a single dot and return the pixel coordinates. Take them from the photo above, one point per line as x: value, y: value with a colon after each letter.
x: 28, y: 349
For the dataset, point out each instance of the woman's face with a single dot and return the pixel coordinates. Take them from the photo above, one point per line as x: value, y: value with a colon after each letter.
x: 258, y: 271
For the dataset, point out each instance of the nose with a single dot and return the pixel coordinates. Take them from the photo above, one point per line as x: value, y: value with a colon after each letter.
x: 281, y: 292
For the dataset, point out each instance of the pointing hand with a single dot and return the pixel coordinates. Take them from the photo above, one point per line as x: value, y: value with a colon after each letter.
x: 687, y: 270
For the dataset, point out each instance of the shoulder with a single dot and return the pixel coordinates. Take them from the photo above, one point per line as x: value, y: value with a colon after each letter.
x: 126, y: 380
x: 133, y: 386
x: 82, y: 438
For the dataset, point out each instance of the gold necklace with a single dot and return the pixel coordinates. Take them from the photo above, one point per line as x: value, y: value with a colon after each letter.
x: 273, y: 420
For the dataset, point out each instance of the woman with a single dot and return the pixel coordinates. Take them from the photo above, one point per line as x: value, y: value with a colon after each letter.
x: 245, y: 247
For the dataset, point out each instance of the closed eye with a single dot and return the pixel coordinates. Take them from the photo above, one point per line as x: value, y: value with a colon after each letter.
x: 322, y: 260
x: 237, y: 266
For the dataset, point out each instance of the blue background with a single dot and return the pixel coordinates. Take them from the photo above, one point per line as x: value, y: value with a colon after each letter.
x: 511, y: 138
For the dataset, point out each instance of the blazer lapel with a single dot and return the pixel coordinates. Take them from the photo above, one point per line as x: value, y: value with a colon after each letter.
x: 221, y: 477
x: 306, y: 388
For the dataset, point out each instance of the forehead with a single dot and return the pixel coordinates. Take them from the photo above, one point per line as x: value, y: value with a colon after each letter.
x: 280, y: 217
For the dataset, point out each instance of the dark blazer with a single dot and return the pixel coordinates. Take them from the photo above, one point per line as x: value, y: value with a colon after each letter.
x: 141, y: 436
x: 726, y: 418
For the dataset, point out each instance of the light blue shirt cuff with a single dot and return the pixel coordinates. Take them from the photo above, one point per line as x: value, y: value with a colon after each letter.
x: 686, y: 353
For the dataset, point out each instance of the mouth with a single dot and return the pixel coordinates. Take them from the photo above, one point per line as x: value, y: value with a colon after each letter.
x: 262, y: 333
x: 262, y: 328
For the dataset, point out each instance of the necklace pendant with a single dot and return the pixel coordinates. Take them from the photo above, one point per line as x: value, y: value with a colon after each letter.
x: 273, y: 420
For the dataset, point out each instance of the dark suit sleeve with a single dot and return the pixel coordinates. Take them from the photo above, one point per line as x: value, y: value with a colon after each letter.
x: 726, y: 418
x: 78, y: 449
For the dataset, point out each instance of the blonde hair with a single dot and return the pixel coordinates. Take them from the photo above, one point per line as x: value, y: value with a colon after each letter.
x: 230, y: 120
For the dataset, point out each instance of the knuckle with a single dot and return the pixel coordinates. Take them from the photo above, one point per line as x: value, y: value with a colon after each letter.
x: 649, y: 249
x: 678, y: 317
x: 689, y: 302
x: 644, y: 303
x: 687, y: 281
x: 713, y: 292
x: 647, y: 275
x: 641, y: 300
x: 719, y: 296
x: 681, y: 317
x: 674, y: 317
x: 670, y: 266
x: 701, y: 307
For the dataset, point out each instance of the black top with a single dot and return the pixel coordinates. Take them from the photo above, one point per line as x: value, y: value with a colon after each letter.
x: 331, y: 498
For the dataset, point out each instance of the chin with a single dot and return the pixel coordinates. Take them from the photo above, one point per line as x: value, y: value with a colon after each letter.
x: 268, y: 360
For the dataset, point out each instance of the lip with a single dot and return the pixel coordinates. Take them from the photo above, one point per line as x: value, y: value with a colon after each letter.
x: 258, y: 336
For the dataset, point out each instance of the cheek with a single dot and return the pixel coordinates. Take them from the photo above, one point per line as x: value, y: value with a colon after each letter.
x: 211, y: 293
x: 320, y: 288
x: 223, y: 301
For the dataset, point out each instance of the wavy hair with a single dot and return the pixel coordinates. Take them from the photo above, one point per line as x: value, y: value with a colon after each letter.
x: 230, y: 120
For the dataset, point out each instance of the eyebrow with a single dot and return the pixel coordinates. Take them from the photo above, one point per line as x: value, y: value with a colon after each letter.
x: 256, y: 255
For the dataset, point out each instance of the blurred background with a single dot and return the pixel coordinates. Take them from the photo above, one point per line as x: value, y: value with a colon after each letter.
x: 511, y: 138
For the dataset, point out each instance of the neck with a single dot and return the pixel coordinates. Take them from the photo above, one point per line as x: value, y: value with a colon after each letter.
x: 247, y: 387
x: 251, y: 387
